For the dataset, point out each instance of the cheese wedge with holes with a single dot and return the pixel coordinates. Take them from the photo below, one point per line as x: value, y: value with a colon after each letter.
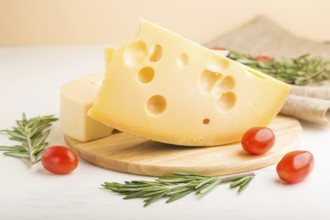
x: 77, y: 97
x: 166, y: 88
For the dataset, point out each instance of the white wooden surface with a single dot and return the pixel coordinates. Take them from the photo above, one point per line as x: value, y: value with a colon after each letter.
x: 30, y: 78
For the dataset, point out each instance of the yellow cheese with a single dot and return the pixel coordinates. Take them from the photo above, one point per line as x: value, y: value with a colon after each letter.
x: 77, y: 97
x: 166, y: 88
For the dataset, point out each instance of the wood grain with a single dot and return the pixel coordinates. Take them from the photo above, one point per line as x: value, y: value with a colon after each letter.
x: 130, y: 154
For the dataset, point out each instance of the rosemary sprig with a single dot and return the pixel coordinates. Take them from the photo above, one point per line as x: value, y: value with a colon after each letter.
x: 32, y: 134
x: 176, y: 186
x: 300, y: 71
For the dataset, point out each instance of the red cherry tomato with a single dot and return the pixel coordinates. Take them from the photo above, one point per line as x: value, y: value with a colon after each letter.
x: 263, y: 58
x: 258, y: 140
x: 217, y: 48
x: 295, y: 166
x: 59, y: 160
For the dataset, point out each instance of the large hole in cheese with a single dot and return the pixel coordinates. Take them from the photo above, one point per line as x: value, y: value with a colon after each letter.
x: 156, y: 104
x: 226, y: 101
x: 156, y: 53
x: 135, y: 53
x: 146, y: 74
x: 208, y: 80
x: 226, y: 84
x: 217, y: 64
x: 183, y: 60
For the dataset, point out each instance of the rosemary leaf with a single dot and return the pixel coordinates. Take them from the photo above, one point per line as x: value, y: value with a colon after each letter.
x: 175, y: 186
x: 154, y: 198
x: 17, y: 135
x: 154, y: 188
x: 17, y: 154
x: 39, y: 148
x: 208, y: 187
x: 10, y: 148
x: 178, y: 190
x: 301, y: 70
x: 141, y: 182
x: 179, y: 195
x: 155, y: 192
x: 172, y: 180
x: 238, y: 182
x: 32, y: 134
x: 134, y: 195
x: 234, y: 177
x: 40, y: 139
x: 39, y: 155
x: 244, y: 184
x: 202, y: 183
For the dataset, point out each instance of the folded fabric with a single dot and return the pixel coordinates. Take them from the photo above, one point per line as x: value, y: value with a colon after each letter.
x: 312, y: 91
x: 262, y: 36
x: 310, y: 109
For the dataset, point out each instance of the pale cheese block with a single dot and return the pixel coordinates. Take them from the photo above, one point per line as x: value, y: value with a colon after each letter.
x: 166, y: 88
x: 77, y: 97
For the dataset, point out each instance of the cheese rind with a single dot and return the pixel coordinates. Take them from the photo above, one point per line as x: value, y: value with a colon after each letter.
x: 166, y: 88
x: 77, y: 97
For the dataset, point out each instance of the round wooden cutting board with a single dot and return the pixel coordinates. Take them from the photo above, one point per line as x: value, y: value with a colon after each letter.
x: 127, y: 153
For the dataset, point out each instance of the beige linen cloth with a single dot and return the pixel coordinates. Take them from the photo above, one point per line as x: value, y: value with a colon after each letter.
x: 261, y: 36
